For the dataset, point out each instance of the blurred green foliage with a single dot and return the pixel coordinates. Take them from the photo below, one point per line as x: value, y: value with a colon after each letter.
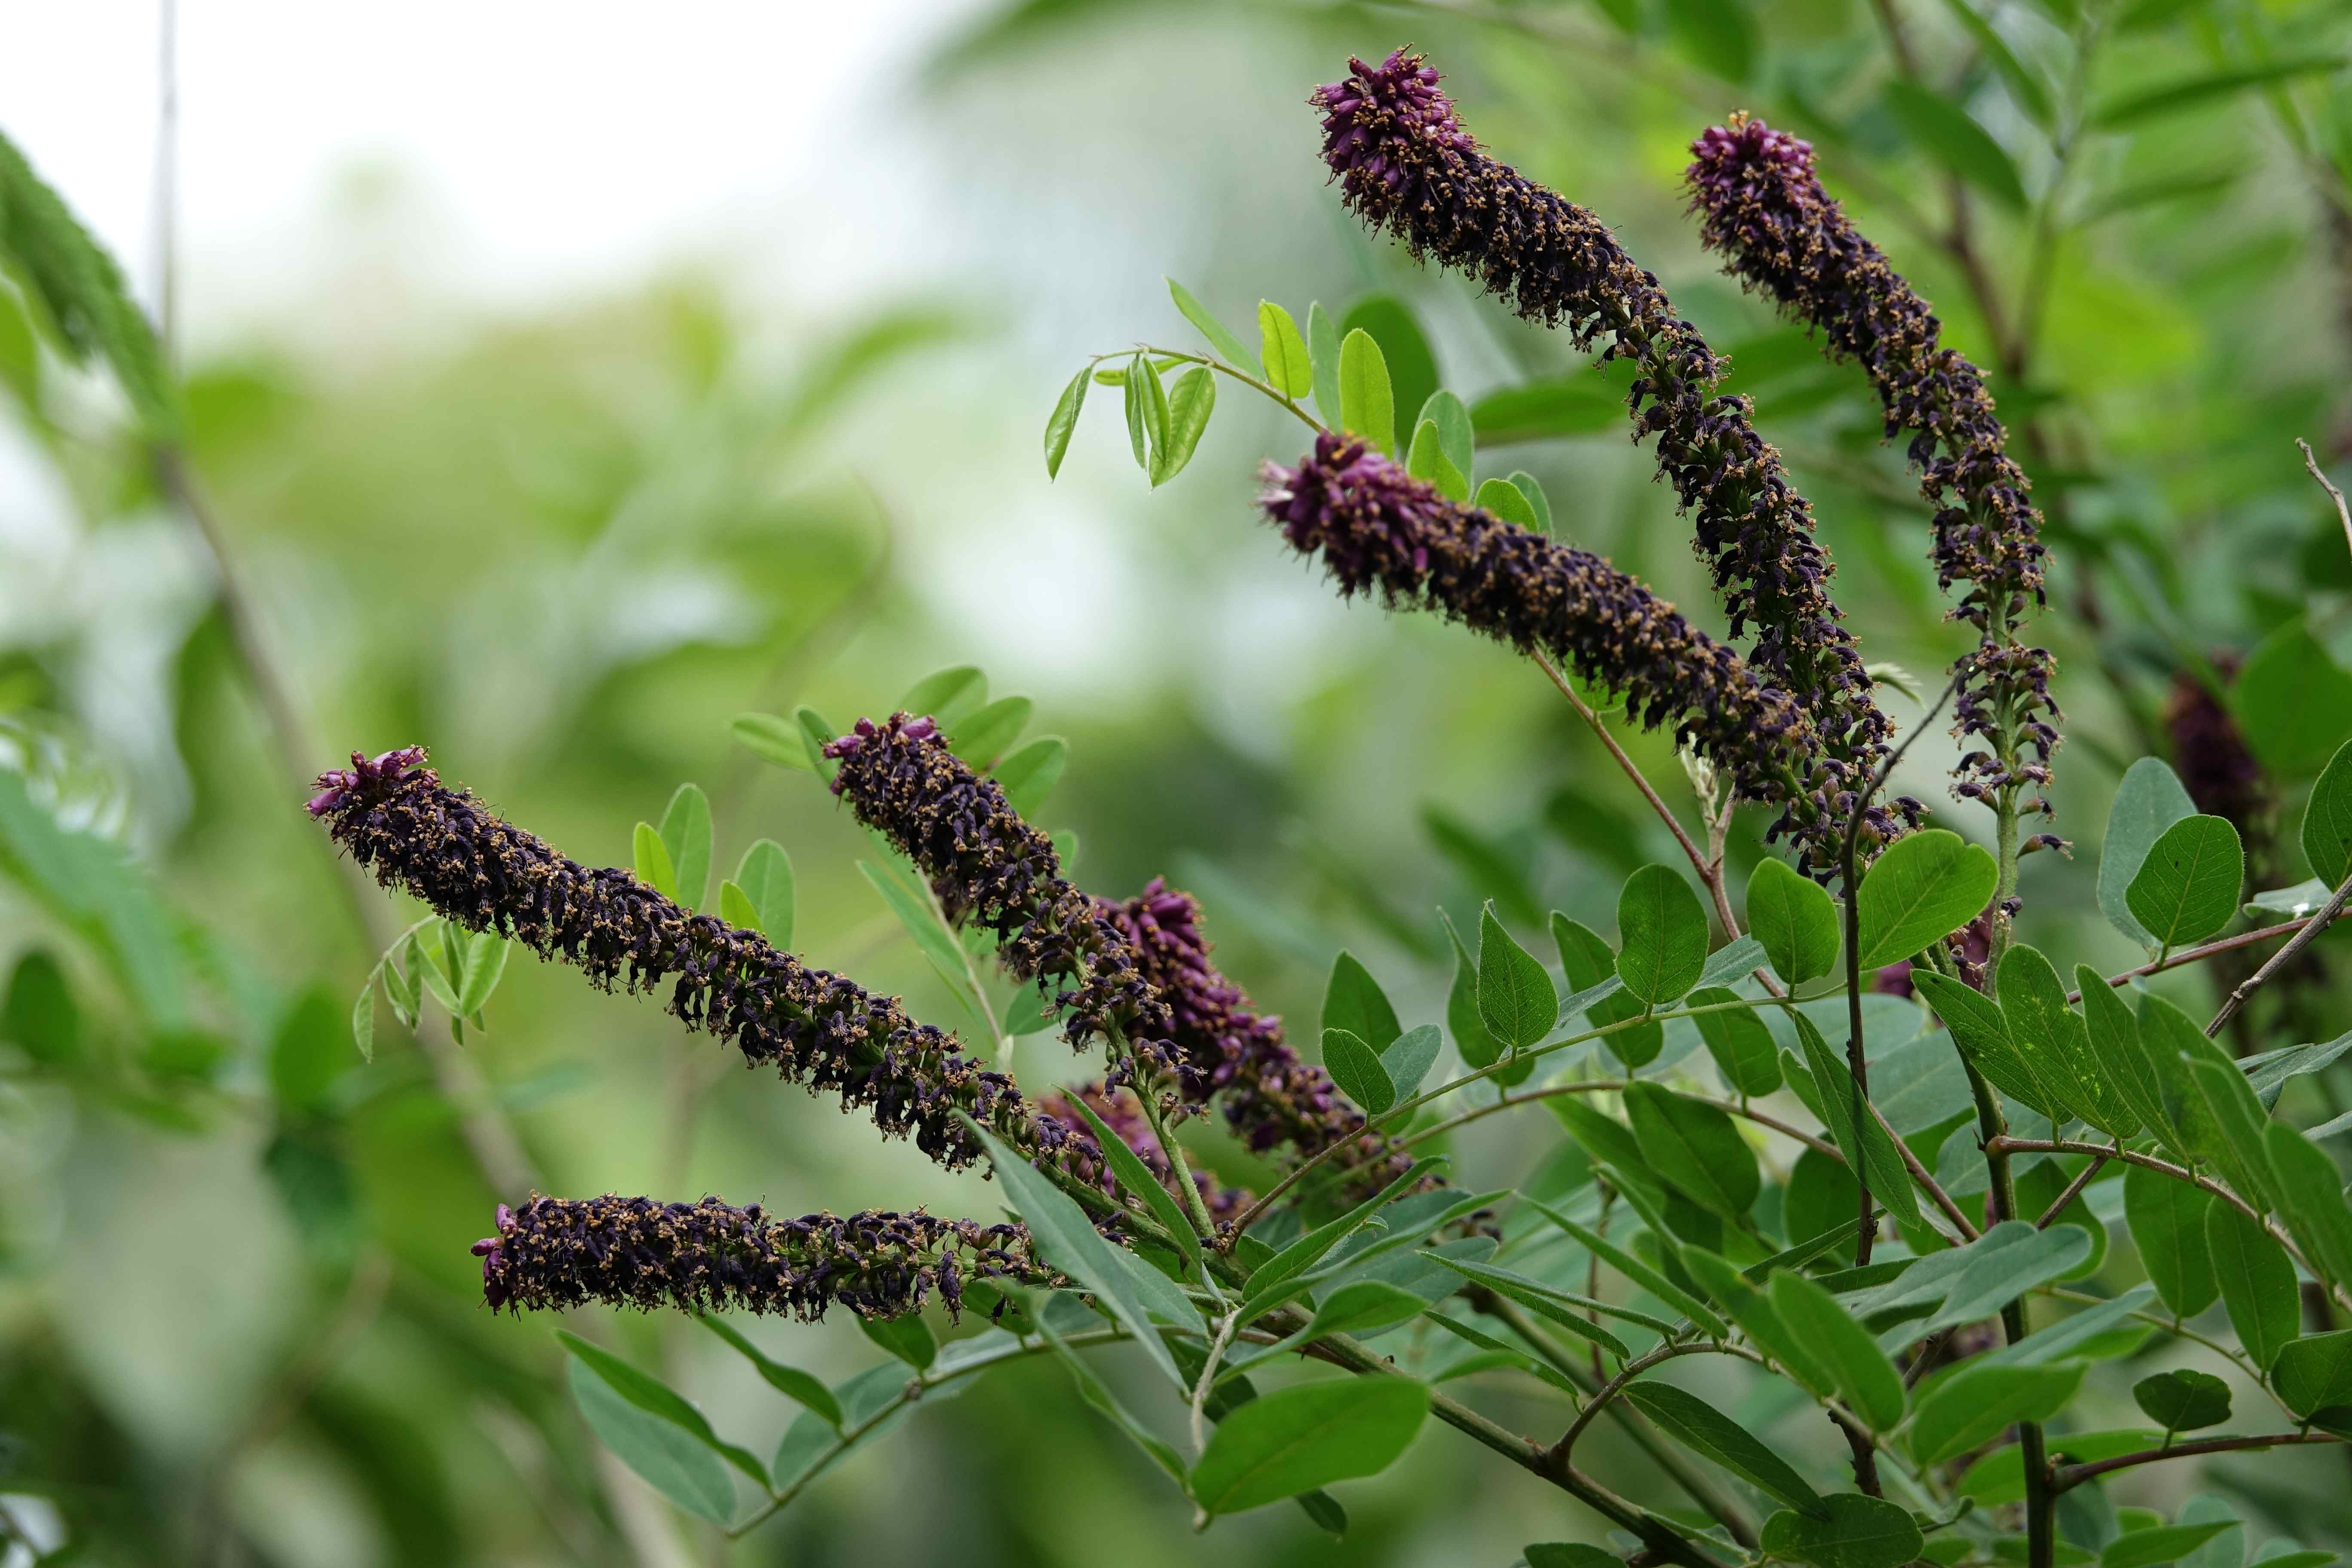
x: 237, y: 1321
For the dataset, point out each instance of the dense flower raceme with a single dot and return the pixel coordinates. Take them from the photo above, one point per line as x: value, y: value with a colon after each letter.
x: 1377, y: 528
x: 558, y: 1253
x: 1405, y: 163
x: 1762, y: 206
x: 1276, y: 1103
x: 395, y: 816
x: 985, y: 863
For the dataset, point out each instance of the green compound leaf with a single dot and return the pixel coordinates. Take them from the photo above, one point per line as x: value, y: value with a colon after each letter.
x: 1695, y: 1147
x: 1190, y: 405
x: 2256, y: 1280
x: 1367, y: 406
x: 1228, y: 346
x: 1978, y: 1404
x: 1323, y: 350
x: 1516, y: 1001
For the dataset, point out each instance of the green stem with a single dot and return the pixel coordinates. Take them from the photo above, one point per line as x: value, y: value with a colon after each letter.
x: 2040, y: 1500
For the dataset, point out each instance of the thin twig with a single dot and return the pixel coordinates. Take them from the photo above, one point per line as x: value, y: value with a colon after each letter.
x: 2319, y: 922
x: 2073, y: 1190
x: 2073, y: 1475
x: 2196, y: 954
x: 2343, y: 512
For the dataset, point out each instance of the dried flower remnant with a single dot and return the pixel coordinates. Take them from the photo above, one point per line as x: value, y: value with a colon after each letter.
x: 985, y: 863
x: 1405, y: 163
x: 394, y: 817
x: 1377, y: 528
x: 559, y: 1253
x: 1762, y: 206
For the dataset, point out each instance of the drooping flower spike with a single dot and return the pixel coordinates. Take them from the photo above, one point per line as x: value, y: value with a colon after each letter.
x: 1379, y: 529
x: 394, y: 817
x: 1762, y: 206
x: 986, y: 863
x: 559, y: 1253
x: 1406, y: 164
x: 1281, y: 1107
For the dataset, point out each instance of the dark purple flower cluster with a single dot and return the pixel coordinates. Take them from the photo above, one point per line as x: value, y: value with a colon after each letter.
x: 1083, y: 1155
x: 1377, y: 528
x: 484, y: 874
x: 986, y: 863
x: 1405, y: 163
x: 1762, y: 206
x: 1275, y: 1102
x: 707, y: 1257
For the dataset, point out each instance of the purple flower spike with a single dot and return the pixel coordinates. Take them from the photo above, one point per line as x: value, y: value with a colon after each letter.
x: 986, y: 863
x: 1762, y: 206
x: 1379, y: 529
x: 559, y: 1253
x: 1405, y: 164
x: 822, y: 1030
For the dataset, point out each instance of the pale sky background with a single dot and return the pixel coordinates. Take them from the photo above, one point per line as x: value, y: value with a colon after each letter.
x: 560, y: 147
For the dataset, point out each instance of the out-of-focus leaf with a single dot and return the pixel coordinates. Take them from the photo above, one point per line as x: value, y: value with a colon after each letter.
x: 87, y: 884
x: 1489, y: 869
x: 1948, y: 133
x: 777, y: 740
x: 1063, y: 423
x: 1404, y: 350
x: 983, y: 736
x: 2167, y: 1542
x: 2187, y: 889
x: 947, y: 696
x: 1289, y: 368
x: 1029, y: 774
x: 2025, y: 84
x: 81, y: 290
x: 1098, y: 1395
x: 1367, y: 404
x: 306, y: 1052
x: 2131, y: 109
x: 1455, y: 435
x: 40, y: 1015
x: 1220, y: 338
x: 1717, y: 36
x: 657, y: 1398
x: 2293, y: 701
x: 1541, y: 410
